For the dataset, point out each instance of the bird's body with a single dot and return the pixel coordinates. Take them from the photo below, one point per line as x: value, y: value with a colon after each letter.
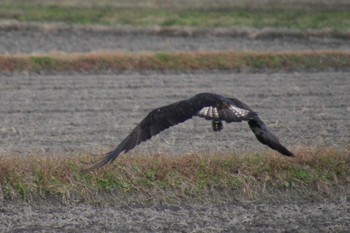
x: 209, y: 106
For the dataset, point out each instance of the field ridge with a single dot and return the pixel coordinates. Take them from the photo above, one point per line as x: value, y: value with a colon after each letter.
x: 96, y: 62
x: 315, y: 174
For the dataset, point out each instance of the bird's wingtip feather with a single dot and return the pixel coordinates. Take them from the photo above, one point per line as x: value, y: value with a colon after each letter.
x: 108, y: 158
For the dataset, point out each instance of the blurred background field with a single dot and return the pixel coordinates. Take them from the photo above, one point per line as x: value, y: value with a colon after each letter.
x: 331, y: 15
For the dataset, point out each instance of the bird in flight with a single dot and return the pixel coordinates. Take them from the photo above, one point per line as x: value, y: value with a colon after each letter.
x: 209, y: 106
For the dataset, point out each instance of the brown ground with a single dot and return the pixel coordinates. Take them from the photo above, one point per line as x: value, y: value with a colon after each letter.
x: 71, y: 112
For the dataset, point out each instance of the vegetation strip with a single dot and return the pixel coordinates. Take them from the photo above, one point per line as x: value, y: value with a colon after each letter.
x: 313, y: 174
x: 306, y: 16
x: 181, y: 61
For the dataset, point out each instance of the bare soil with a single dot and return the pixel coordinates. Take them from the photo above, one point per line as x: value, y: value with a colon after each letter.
x: 65, y: 113
x: 63, y: 40
x: 223, y: 217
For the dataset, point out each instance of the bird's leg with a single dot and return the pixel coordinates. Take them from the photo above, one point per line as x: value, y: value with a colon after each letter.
x: 217, y: 125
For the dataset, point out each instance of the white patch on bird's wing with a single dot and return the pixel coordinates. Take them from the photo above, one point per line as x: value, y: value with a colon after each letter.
x: 239, y: 112
x: 215, y: 113
x: 209, y: 112
x: 201, y: 111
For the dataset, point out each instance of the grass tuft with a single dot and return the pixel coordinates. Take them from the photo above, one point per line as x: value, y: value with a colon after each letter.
x: 313, y: 174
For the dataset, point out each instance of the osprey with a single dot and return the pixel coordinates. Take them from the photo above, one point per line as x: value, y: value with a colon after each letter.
x: 209, y: 106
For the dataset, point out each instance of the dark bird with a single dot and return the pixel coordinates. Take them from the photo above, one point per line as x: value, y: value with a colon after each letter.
x: 209, y: 106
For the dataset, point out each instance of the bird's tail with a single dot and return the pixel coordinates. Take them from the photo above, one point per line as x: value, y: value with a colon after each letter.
x: 265, y: 136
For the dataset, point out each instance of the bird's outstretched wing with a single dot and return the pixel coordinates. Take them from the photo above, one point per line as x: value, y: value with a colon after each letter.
x: 155, y: 122
x: 261, y: 132
x: 265, y: 136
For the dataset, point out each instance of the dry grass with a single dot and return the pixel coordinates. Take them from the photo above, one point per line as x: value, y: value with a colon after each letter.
x: 313, y: 174
x: 180, y: 61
